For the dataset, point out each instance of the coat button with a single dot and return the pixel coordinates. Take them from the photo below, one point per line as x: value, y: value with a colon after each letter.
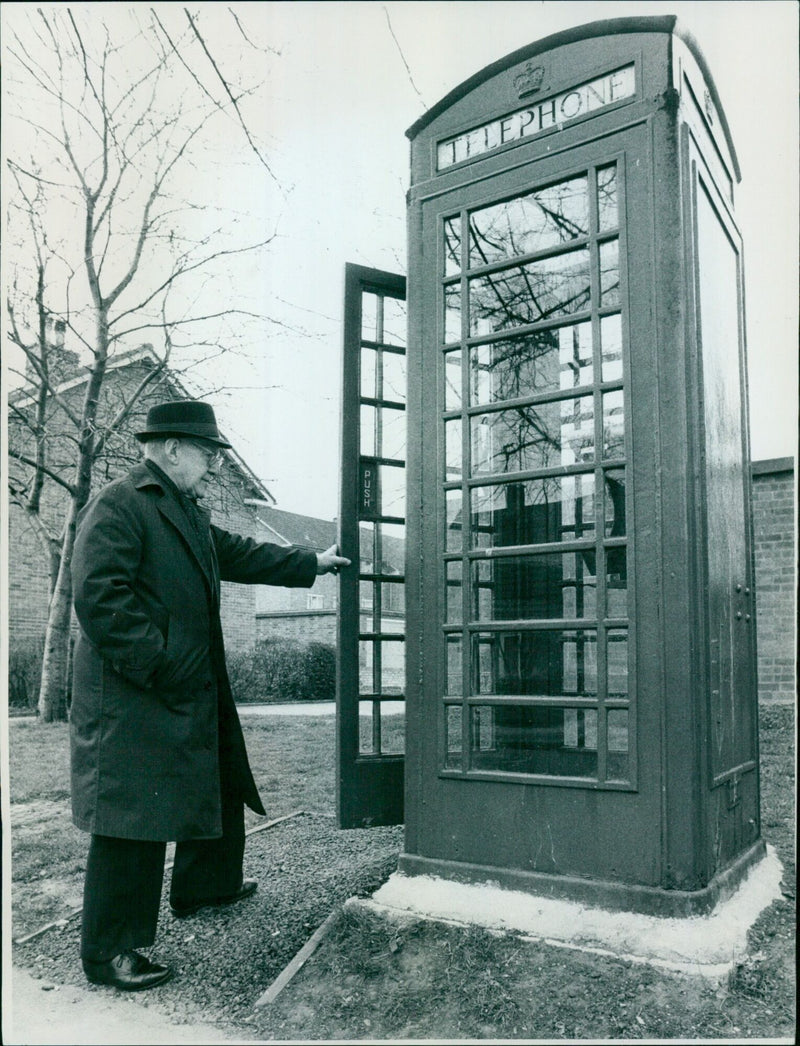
x: 207, y: 685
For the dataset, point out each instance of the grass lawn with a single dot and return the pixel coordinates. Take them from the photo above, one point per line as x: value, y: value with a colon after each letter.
x: 371, y: 980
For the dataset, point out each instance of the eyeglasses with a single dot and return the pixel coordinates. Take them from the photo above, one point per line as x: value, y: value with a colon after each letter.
x: 212, y: 456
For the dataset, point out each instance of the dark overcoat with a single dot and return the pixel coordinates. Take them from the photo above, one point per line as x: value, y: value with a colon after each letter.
x: 152, y: 711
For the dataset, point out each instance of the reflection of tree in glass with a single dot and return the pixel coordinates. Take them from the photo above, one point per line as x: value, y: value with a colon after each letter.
x: 452, y: 245
x: 534, y: 222
x: 607, y: 210
x: 609, y: 273
x: 524, y: 294
x: 559, y: 358
x: 527, y: 437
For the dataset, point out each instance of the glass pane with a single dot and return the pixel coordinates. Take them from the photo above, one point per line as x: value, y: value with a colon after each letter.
x: 545, y: 361
x: 616, y: 582
x: 393, y: 598
x: 452, y: 448
x: 530, y: 588
x: 368, y: 422
x: 536, y: 663
x: 483, y: 729
x: 607, y: 203
x: 540, y: 290
x: 613, y: 424
x: 541, y: 219
x: 580, y: 727
x: 381, y: 728
x: 453, y: 746
x: 366, y: 661
x: 617, y: 768
x: 394, y: 321
x: 533, y: 437
x: 617, y: 663
x: 392, y: 442
x: 369, y: 317
x: 366, y: 596
x: 452, y: 246
x: 609, y: 273
x: 455, y: 521
x: 454, y: 683
x: 392, y: 549
x: 452, y: 380
x: 393, y: 665
x: 453, y: 607
x: 611, y: 342
x: 615, y: 503
x: 452, y: 312
x: 393, y: 727
x: 526, y: 740
x: 484, y: 670
x: 394, y: 377
x: 366, y: 541
x: 393, y: 490
x: 368, y: 362
x: 368, y: 742
x: 536, y: 511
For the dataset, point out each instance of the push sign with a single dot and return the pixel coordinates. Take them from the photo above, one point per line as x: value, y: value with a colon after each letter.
x: 368, y: 490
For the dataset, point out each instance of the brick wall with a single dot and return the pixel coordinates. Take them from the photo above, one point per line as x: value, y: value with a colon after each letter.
x: 312, y: 626
x: 774, y: 530
x: 28, y: 582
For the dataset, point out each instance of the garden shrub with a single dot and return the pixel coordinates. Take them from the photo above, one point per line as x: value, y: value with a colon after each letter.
x: 25, y: 672
x: 283, y: 670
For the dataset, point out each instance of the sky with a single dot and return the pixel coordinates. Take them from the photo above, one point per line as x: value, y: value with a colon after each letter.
x: 340, y: 84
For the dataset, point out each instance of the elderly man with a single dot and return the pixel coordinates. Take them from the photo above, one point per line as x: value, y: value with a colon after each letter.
x: 157, y: 749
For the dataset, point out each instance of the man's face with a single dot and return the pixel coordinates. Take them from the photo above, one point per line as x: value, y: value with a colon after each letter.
x: 194, y: 466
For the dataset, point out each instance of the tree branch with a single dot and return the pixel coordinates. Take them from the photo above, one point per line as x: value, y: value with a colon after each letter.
x: 25, y: 460
x: 224, y: 83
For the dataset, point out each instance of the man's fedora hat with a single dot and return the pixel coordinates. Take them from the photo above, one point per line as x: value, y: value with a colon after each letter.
x: 189, y: 418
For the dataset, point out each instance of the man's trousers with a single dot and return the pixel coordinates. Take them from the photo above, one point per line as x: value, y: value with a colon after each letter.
x: 122, y: 889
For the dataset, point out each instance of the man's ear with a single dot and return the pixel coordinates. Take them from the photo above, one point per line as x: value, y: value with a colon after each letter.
x: 171, y: 444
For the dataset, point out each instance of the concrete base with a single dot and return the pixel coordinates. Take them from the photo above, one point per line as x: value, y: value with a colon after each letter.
x: 709, y: 945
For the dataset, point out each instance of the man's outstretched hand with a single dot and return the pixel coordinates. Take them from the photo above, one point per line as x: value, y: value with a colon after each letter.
x: 330, y: 562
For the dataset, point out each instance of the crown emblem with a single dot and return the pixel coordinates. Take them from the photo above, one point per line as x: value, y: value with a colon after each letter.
x: 709, y: 105
x: 529, y: 80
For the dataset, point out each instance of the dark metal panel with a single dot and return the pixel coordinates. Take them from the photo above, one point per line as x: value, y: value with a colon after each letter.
x: 724, y: 528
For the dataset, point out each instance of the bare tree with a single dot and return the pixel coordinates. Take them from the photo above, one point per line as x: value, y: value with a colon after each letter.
x: 110, y: 247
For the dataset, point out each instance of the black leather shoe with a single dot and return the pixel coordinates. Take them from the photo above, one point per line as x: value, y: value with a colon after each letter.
x: 130, y: 972
x: 248, y: 887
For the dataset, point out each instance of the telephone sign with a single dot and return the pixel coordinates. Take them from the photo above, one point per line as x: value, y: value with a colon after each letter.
x: 537, y: 117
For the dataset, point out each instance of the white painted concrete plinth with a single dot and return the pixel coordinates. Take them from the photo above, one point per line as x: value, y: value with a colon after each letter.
x: 708, y: 945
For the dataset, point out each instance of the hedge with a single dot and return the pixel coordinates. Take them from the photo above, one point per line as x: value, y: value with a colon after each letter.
x: 25, y: 673
x: 283, y: 670
x: 273, y: 670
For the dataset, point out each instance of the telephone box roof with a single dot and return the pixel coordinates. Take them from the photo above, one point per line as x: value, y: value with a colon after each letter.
x: 668, y: 24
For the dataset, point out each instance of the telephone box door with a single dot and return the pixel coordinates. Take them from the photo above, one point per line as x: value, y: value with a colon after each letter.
x: 533, y: 414
x: 372, y: 512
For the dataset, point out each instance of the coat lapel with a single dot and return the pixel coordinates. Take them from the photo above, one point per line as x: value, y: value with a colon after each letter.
x: 172, y: 511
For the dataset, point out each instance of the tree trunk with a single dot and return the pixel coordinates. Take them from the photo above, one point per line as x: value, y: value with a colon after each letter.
x: 56, y: 660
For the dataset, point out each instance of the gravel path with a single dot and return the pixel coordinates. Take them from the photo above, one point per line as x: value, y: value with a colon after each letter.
x: 42, y: 1013
x: 225, y: 959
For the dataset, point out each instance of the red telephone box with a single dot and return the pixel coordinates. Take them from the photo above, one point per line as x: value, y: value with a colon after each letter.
x: 581, y: 713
